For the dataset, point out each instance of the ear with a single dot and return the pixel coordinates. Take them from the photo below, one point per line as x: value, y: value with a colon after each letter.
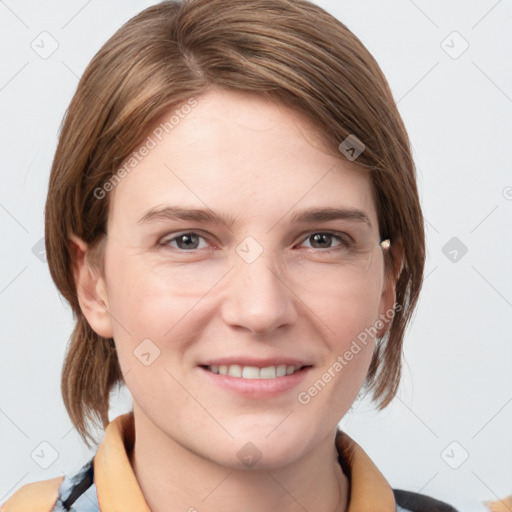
x: 91, y: 289
x: 392, y: 269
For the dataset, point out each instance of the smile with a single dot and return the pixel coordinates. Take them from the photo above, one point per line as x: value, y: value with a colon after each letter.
x: 253, y: 372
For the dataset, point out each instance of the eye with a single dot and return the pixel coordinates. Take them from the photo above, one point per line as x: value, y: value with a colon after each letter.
x: 191, y: 241
x: 323, y: 240
x: 188, y: 241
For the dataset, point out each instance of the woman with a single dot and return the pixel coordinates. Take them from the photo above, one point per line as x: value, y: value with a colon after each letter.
x: 233, y: 216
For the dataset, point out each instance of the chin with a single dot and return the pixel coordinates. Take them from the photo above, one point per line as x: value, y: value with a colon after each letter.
x: 256, y: 449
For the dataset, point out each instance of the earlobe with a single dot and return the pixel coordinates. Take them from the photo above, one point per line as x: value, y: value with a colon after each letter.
x: 388, y: 297
x: 90, y: 289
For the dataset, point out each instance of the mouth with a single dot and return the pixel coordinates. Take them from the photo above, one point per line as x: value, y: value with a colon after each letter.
x: 254, y: 372
x: 255, y: 379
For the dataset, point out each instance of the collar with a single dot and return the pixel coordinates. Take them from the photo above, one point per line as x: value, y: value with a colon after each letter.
x: 118, y: 489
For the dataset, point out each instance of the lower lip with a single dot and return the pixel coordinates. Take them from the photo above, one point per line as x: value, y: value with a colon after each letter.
x: 257, y: 388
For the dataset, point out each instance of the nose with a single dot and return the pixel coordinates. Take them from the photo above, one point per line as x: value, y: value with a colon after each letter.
x: 258, y: 298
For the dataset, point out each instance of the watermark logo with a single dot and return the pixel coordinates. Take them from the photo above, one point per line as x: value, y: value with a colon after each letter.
x: 45, y: 45
x: 147, y: 352
x: 44, y: 455
x: 249, y: 455
x: 39, y: 250
x: 351, y: 147
x: 249, y: 249
x: 454, y: 45
x: 455, y: 455
x: 454, y: 249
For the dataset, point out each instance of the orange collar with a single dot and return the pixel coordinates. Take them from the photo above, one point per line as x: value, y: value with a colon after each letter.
x: 118, y: 489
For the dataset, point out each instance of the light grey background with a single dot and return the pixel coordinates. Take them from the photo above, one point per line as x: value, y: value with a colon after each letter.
x: 455, y: 399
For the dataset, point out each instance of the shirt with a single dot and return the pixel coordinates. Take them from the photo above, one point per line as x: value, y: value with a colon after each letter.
x: 107, y: 482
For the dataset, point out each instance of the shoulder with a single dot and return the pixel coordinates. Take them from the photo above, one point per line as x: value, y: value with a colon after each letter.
x: 56, y: 494
x: 36, y: 496
x: 79, y: 492
x: 408, y: 501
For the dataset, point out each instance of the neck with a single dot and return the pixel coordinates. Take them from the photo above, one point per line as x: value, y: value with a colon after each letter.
x: 315, y: 483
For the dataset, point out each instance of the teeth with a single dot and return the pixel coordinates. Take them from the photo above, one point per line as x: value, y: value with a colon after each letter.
x: 252, y: 372
x: 268, y: 373
x: 235, y: 370
x: 281, y: 370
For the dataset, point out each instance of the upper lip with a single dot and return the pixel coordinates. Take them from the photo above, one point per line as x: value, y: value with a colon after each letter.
x: 257, y: 362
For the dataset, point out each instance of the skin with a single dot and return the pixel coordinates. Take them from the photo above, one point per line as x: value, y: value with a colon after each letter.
x: 259, y: 162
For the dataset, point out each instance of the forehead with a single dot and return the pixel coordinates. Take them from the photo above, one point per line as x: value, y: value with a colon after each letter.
x: 240, y: 154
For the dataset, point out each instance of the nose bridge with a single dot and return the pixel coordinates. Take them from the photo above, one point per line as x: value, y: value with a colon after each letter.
x: 258, y: 297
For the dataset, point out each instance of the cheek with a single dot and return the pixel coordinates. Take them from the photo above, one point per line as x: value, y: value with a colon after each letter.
x: 148, y: 296
x: 152, y: 327
x: 146, y: 305
x: 346, y: 308
x: 349, y: 313
x: 351, y: 340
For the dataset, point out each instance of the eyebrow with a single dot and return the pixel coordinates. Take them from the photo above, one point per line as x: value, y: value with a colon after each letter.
x: 307, y: 216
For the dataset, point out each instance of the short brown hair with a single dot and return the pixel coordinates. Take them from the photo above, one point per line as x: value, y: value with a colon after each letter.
x: 290, y: 51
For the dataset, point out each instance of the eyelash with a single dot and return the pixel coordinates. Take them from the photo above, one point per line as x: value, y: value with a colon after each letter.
x: 345, y: 240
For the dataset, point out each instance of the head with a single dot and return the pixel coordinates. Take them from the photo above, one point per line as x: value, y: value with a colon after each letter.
x: 239, y: 109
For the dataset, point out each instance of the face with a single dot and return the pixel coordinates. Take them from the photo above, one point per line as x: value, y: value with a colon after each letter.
x: 255, y: 284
